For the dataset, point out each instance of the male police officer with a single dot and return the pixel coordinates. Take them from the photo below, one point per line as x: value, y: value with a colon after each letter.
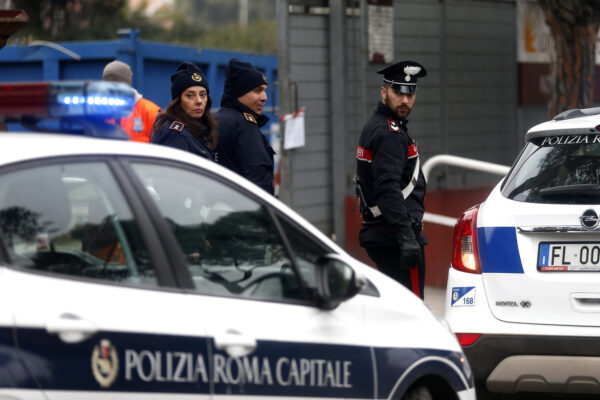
x: 242, y: 147
x: 390, y: 183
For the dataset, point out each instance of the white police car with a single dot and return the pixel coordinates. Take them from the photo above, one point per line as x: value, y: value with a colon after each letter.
x: 135, y: 271
x: 523, y: 290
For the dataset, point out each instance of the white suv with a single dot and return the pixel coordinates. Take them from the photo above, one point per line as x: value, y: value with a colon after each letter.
x: 523, y: 291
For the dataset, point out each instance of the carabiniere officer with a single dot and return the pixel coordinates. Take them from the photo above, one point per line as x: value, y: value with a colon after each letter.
x: 390, y: 184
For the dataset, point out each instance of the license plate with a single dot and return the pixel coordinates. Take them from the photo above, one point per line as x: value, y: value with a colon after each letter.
x: 581, y: 256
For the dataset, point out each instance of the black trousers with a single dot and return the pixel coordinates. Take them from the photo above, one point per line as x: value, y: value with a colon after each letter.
x: 386, y: 259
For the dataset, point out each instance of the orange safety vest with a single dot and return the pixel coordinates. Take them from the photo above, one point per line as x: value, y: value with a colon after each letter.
x: 139, y: 123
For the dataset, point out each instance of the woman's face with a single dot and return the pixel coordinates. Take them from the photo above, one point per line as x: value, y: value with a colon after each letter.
x: 193, y: 101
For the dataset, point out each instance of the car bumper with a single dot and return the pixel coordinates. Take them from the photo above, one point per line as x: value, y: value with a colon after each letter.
x: 512, y: 364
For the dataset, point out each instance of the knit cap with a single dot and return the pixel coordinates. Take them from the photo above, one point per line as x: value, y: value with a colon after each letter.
x: 187, y: 74
x: 241, y: 77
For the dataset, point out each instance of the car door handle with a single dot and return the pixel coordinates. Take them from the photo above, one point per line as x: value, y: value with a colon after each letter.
x: 235, y: 343
x: 71, y: 328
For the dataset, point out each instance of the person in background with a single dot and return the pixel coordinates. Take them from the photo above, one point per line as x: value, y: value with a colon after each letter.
x: 187, y: 123
x: 242, y: 146
x: 390, y: 184
x: 138, y: 124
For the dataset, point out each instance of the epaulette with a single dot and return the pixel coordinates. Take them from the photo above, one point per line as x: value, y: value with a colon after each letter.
x: 177, y: 126
x: 250, y: 117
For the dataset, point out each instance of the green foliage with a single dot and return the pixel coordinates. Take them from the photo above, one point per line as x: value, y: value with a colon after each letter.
x: 257, y: 37
x: 63, y: 20
x: 214, y: 23
x: 207, y: 23
x: 215, y: 13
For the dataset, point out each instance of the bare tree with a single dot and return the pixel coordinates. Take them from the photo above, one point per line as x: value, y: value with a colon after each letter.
x: 574, y: 25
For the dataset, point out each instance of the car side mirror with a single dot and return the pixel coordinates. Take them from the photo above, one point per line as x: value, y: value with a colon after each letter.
x: 336, y: 281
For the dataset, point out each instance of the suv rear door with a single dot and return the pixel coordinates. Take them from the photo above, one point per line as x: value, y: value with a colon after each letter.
x: 540, y: 262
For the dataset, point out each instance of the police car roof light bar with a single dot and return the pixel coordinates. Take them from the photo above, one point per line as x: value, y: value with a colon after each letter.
x: 17, y: 100
x: 69, y: 99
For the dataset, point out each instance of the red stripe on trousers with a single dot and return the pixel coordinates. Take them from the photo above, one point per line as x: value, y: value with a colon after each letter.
x: 414, y: 280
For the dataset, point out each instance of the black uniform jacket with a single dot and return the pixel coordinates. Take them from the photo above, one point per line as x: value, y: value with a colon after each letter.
x: 175, y: 134
x: 386, y: 158
x: 242, y: 147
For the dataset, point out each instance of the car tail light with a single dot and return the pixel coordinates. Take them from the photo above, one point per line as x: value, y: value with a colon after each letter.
x: 467, y: 339
x: 465, y: 256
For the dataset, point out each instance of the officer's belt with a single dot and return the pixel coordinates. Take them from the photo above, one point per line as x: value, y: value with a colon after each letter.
x: 376, y: 212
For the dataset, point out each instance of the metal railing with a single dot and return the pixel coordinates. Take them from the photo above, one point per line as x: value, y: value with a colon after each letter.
x: 462, y: 162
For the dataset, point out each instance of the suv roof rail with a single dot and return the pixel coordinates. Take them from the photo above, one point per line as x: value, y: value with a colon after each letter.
x: 576, y: 113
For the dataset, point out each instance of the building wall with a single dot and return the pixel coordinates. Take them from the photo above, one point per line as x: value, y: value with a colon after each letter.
x: 466, y: 106
x: 309, y: 181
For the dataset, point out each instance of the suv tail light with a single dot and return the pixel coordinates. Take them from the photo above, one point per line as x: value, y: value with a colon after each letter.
x: 467, y: 339
x: 465, y: 256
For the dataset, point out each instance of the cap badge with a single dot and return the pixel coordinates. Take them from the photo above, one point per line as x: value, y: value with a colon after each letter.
x: 411, y: 70
x: 264, y: 78
x: 105, y: 363
x: 196, y: 77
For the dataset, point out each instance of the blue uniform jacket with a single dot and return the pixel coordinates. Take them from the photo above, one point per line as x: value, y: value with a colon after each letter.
x: 242, y: 147
x: 175, y: 134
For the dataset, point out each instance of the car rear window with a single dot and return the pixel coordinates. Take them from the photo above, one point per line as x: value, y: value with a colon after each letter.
x: 556, y: 170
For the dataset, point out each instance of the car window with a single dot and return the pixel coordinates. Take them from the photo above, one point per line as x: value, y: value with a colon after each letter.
x: 72, y: 219
x: 306, y: 249
x: 230, y: 241
x: 557, y: 170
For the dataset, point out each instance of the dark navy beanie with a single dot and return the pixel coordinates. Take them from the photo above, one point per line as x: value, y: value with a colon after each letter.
x: 241, y: 77
x: 188, y: 74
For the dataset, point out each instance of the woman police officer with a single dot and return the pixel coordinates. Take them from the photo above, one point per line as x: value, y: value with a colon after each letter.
x: 187, y: 123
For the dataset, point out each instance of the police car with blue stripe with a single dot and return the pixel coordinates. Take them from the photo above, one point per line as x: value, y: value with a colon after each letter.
x: 132, y: 270
x: 524, y: 285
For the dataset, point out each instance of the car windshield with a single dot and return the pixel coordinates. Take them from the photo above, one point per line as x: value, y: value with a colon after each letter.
x: 556, y: 170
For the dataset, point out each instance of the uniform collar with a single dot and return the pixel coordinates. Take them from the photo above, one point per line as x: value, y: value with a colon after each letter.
x: 385, y: 110
x: 231, y: 102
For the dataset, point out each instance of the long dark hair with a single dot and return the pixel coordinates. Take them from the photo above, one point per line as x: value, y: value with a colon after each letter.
x: 204, y: 128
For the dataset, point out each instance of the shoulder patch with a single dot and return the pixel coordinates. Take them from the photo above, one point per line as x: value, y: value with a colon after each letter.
x: 250, y: 117
x: 177, y: 126
x: 393, y: 126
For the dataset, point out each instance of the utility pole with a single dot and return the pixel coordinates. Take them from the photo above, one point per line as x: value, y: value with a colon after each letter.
x: 243, y: 16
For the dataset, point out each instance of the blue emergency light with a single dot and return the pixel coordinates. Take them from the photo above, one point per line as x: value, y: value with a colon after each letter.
x: 94, y: 99
x: 93, y: 106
